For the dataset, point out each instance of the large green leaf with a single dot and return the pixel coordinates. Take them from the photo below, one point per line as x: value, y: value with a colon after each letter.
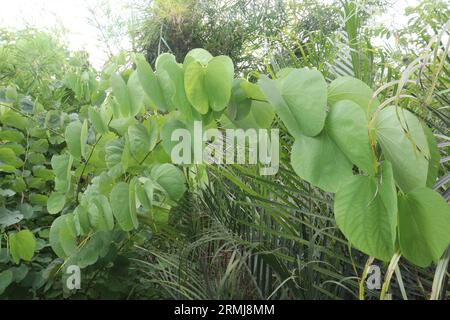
x: 218, y: 81
x: 198, y: 54
x: 407, y: 151
x: 260, y: 115
x: 171, y: 79
x: 139, y: 141
x: 22, y: 245
x: 149, y: 82
x: 67, y: 236
x: 166, y: 134
x: 319, y: 161
x: 424, y: 226
x: 349, y: 88
x: 239, y: 105
x: 121, y: 94
x: 54, y: 239
x: 98, y: 119
x: 120, y: 204
x: 305, y: 93
x: 347, y: 126
x: 194, y: 82
x: 136, y: 93
x: 62, y: 165
x: 113, y: 153
x: 105, y: 210
x: 366, y: 212
x: 272, y: 93
x: 170, y: 178
x: 73, y: 138
x: 56, y: 202
x: 81, y: 215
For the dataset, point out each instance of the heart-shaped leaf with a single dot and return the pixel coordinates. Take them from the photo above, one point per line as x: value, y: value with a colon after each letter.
x: 424, y: 226
x: 366, y: 212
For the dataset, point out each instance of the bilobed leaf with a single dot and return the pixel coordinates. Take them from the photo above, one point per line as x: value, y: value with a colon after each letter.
x: 305, y: 93
x: 149, y: 82
x: 171, y: 79
x: 218, y: 82
x: 167, y: 87
x: 96, y: 219
x: 349, y: 88
x: 424, y: 224
x: 260, y: 115
x: 136, y: 93
x: 56, y: 202
x: 198, y: 54
x: 73, y: 138
x: 62, y: 165
x: 22, y: 245
x: 171, y: 179
x: 194, y: 82
x: 347, y: 126
x: 166, y: 134
x: 54, y: 239
x: 408, y: 152
x: 120, y: 204
x: 82, y: 215
x: 139, y: 141
x: 145, y: 192
x: 113, y: 152
x: 121, y: 94
x: 105, y: 210
x: 272, y: 92
x: 366, y: 212
x: 98, y: 121
x: 239, y: 105
x: 319, y: 161
x: 67, y: 237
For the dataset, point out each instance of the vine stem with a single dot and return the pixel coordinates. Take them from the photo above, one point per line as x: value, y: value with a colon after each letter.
x: 391, y: 269
x: 364, y: 276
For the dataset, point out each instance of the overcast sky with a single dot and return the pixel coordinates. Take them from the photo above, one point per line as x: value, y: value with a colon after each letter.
x: 73, y: 15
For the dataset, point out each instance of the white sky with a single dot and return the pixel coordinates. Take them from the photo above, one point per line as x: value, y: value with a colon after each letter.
x: 73, y: 16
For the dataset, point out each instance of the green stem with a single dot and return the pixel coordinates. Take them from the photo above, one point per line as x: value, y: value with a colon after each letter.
x: 364, y: 276
x: 387, y: 281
